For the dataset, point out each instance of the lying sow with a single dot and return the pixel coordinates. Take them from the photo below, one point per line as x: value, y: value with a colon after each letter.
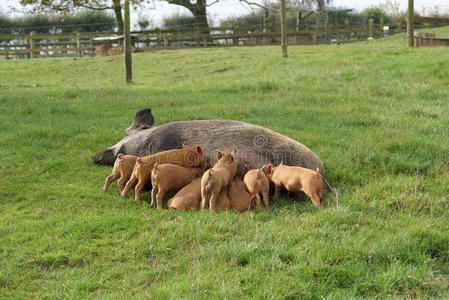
x: 257, y: 146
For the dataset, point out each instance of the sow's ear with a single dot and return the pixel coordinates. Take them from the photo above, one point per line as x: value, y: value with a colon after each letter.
x: 198, y: 149
x: 143, y: 119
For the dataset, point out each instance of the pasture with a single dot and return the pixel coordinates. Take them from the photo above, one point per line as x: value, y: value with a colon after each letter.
x: 376, y: 113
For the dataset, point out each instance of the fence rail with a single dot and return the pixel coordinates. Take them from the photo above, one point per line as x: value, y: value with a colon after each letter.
x: 34, y: 45
x: 431, y: 20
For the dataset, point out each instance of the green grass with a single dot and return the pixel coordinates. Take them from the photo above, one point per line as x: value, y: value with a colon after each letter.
x: 377, y: 114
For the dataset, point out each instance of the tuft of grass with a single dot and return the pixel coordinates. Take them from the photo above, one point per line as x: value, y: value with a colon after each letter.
x: 375, y: 112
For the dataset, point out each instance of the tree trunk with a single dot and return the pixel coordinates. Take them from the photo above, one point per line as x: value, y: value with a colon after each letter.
x: 198, y: 9
x: 200, y: 14
x: 411, y: 23
x: 284, y: 29
x: 127, y: 42
x: 321, y: 4
x: 117, y: 7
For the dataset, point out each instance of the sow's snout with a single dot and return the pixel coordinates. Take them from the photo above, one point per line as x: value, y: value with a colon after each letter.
x: 104, y: 157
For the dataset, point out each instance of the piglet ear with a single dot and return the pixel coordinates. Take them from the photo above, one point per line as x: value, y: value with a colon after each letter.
x: 219, y: 154
x: 198, y: 149
x: 143, y: 119
x: 267, y: 169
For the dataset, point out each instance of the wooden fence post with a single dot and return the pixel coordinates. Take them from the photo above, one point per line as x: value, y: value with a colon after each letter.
x: 348, y: 29
x: 298, y: 22
x: 284, y: 33
x: 370, y: 29
x: 78, y: 45
x: 235, y: 40
x: 411, y: 23
x: 315, y: 35
x: 32, y: 43
x: 265, y: 18
x: 381, y: 26
x: 327, y: 26
x: 135, y: 43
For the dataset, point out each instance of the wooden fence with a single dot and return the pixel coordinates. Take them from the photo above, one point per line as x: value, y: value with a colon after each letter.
x: 34, y: 45
x: 426, y: 39
x: 431, y: 20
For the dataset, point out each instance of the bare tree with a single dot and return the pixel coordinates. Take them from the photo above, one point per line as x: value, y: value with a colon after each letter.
x: 63, y: 6
x: 197, y: 7
x: 317, y: 5
x: 199, y: 10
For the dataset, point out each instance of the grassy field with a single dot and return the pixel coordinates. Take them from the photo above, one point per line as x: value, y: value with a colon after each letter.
x: 376, y: 112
